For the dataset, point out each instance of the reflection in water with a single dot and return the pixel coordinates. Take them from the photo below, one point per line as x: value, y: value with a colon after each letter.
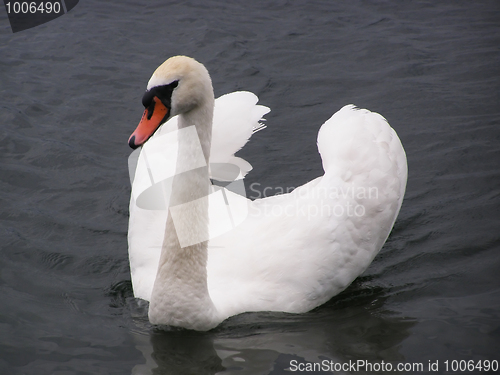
x: 184, y: 352
x: 177, y: 352
x: 351, y: 326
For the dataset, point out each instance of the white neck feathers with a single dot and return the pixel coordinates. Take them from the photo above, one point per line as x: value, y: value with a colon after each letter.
x: 180, y: 294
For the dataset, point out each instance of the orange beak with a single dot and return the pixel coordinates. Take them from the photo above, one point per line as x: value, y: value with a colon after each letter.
x: 152, y: 118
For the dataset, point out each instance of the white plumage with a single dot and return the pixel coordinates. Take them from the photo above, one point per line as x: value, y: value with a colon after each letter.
x: 293, y: 252
x: 236, y: 117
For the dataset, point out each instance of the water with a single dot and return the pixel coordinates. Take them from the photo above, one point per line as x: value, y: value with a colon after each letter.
x: 71, y: 95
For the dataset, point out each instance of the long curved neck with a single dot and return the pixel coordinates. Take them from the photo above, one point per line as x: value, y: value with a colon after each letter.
x: 180, y: 294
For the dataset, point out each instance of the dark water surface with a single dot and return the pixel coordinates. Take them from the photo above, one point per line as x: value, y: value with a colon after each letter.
x: 71, y: 95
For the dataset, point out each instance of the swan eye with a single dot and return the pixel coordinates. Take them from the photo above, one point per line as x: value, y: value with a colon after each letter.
x: 163, y: 93
x: 147, y: 99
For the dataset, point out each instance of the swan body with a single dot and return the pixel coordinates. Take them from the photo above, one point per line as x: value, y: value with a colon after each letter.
x: 290, y: 252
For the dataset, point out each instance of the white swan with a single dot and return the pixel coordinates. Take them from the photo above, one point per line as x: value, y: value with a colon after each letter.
x: 293, y: 252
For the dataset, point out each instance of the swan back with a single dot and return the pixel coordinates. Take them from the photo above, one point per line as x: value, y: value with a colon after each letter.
x: 297, y: 250
x: 357, y: 143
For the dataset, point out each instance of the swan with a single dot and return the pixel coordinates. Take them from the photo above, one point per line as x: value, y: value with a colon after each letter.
x: 291, y: 252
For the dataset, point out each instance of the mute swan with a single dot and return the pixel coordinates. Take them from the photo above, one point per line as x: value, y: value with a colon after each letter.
x: 291, y: 252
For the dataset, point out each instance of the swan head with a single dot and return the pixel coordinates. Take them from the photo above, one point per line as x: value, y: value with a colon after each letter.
x: 178, y: 86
